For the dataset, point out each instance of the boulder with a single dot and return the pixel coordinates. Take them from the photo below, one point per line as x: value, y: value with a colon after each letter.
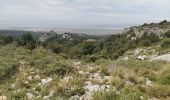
x: 125, y: 58
x: 25, y: 82
x: 97, y: 75
x: 46, y: 97
x: 37, y: 77
x: 30, y: 96
x: 92, y: 88
x: 77, y: 64
x: 148, y: 82
x: 104, y: 87
x: 46, y: 81
x: 140, y: 58
x: 88, y: 83
x: 30, y: 78
x: 13, y: 86
x: 141, y: 97
x: 80, y: 72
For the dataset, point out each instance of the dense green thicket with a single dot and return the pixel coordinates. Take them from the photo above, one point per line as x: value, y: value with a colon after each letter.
x: 165, y: 42
x: 112, y: 47
x: 148, y: 39
x: 167, y: 34
x: 7, y: 71
x: 6, y: 39
x: 59, y: 68
x: 27, y: 41
x: 79, y: 47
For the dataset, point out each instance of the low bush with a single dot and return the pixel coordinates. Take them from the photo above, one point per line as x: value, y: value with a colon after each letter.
x: 7, y: 71
x: 165, y: 42
x: 167, y: 34
x: 106, y: 95
x: 60, y: 68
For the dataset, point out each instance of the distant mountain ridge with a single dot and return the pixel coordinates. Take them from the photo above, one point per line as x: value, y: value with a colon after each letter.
x: 19, y: 33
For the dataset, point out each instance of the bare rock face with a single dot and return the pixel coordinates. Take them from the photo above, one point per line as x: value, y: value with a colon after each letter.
x: 139, y: 31
x: 165, y: 57
x: 66, y: 36
x: 47, y: 36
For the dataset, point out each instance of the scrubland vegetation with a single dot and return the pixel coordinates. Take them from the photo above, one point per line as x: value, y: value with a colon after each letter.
x: 77, y: 68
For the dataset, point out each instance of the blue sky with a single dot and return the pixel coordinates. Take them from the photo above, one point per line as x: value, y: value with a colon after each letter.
x: 84, y: 13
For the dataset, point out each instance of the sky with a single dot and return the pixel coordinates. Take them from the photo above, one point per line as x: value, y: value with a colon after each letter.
x: 82, y: 13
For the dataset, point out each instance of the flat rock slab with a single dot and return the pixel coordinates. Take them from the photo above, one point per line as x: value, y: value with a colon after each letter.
x: 165, y: 57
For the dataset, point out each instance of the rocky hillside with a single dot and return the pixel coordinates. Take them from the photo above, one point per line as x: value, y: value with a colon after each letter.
x: 155, y: 28
x: 133, y: 65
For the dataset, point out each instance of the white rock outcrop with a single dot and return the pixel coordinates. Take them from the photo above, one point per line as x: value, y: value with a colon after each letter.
x: 46, y: 81
x: 165, y: 57
x: 30, y: 96
x: 3, y: 98
x: 37, y: 77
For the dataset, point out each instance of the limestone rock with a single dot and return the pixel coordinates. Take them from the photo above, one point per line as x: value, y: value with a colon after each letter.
x: 46, y: 81
x: 30, y: 96
x: 88, y: 83
x: 3, y: 98
x: 148, y: 82
x: 37, y: 77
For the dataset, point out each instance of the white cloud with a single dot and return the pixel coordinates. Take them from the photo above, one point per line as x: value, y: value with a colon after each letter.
x: 82, y: 12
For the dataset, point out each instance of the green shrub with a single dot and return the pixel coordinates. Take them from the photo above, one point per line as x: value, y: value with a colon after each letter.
x: 19, y: 95
x: 167, y: 34
x: 6, y: 39
x: 55, y: 47
x: 44, y: 92
x: 60, y: 68
x: 165, y: 79
x: 149, y: 39
x: 7, y: 71
x: 159, y: 91
x: 77, y: 90
x: 27, y: 41
x: 91, y: 58
x: 105, y: 95
x: 165, y: 42
x: 104, y: 71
